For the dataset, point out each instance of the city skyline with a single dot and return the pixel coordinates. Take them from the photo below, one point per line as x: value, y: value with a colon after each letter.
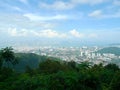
x: 83, y: 22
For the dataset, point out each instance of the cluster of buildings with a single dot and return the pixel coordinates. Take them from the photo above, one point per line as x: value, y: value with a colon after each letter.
x: 77, y: 54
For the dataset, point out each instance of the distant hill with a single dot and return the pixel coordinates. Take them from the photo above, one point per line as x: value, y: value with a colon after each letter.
x: 115, y: 44
x: 113, y: 50
x: 28, y: 59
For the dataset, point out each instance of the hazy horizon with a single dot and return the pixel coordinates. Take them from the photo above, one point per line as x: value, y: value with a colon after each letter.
x: 59, y: 22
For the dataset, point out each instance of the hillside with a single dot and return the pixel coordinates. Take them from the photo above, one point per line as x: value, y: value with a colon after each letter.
x: 113, y: 50
x: 28, y: 59
x: 52, y: 74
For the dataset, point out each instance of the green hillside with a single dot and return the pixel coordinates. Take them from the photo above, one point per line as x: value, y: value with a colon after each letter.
x: 28, y: 59
x: 113, y: 50
x: 46, y: 73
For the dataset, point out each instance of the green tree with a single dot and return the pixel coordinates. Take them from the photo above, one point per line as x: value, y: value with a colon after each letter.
x: 49, y: 66
x: 112, y: 67
x: 115, y: 84
x: 1, y: 61
x: 30, y: 70
x: 88, y: 81
x: 72, y: 64
x: 83, y: 66
x: 8, y: 56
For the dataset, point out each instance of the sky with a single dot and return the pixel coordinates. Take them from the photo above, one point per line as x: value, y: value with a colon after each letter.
x: 59, y: 22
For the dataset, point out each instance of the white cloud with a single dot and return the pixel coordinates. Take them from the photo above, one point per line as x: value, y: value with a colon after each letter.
x: 34, y: 17
x: 100, y: 14
x: 96, y: 13
x: 45, y: 24
x: 76, y: 33
x: 91, y: 2
x: 15, y: 32
x: 20, y: 21
x: 16, y: 8
x: 41, y: 33
x: 62, y: 5
x: 49, y: 33
x: 58, y: 5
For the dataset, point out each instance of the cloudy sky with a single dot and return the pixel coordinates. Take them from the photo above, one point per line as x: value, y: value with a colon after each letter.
x: 45, y: 21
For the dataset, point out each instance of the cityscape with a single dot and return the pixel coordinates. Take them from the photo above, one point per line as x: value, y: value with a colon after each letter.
x: 77, y: 54
x: 59, y: 44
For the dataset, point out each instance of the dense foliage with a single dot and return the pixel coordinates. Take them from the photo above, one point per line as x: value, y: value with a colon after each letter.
x: 52, y: 74
x: 28, y: 59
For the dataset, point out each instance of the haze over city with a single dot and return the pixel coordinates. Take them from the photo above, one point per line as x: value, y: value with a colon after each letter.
x: 59, y: 22
x: 59, y: 44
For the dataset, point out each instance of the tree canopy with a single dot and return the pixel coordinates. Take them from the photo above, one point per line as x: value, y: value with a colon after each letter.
x: 52, y: 74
